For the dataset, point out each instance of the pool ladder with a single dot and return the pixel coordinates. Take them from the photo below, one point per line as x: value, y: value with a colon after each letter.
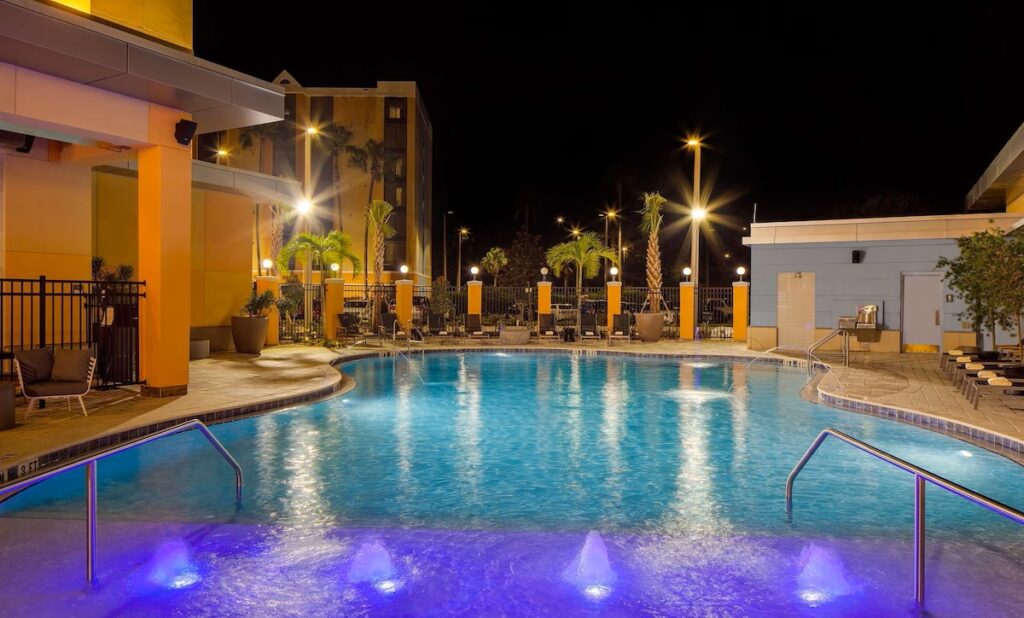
x: 844, y: 348
x: 920, y: 477
x: 90, y: 480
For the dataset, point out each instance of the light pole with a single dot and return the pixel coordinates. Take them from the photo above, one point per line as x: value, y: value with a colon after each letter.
x: 697, y: 214
x: 463, y: 233
x: 610, y: 215
x: 305, y: 207
x: 444, y: 242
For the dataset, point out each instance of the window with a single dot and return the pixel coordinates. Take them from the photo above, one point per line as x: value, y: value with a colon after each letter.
x: 395, y: 112
x: 398, y: 166
x: 398, y: 196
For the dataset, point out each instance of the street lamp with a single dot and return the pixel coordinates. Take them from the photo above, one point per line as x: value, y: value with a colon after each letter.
x: 741, y: 271
x: 474, y: 271
x: 697, y: 215
x: 609, y: 215
x: 687, y: 272
x: 463, y: 234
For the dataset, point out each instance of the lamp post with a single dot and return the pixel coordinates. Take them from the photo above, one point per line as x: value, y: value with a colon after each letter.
x: 404, y: 269
x: 474, y: 271
x: 686, y: 273
x: 268, y: 264
x: 697, y: 214
x: 463, y: 234
x: 623, y: 253
x: 544, y: 273
x: 741, y: 271
x: 609, y: 215
x: 444, y: 242
x: 613, y: 271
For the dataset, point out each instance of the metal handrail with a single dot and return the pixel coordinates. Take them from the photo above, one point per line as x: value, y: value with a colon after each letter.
x: 90, y: 480
x: 845, y: 350
x: 920, y: 476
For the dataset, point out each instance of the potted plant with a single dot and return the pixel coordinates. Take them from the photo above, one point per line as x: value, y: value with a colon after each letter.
x: 249, y: 330
x: 650, y: 321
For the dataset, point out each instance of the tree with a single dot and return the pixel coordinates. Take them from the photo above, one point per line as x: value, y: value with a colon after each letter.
x: 494, y: 262
x: 650, y: 222
x: 584, y: 254
x: 525, y: 259
x: 320, y: 251
x: 978, y: 275
x: 334, y: 139
x: 378, y: 215
x: 370, y: 158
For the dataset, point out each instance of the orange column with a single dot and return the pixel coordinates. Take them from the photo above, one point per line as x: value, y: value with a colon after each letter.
x: 334, y: 305
x: 165, y: 263
x: 614, y: 296
x: 474, y: 297
x: 543, y: 297
x: 686, y: 323
x: 270, y: 283
x: 740, y: 309
x: 403, y: 302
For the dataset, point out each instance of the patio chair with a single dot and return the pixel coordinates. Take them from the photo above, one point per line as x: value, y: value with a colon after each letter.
x: 64, y: 374
x: 1006, y: 380
x: 348, y: 327
x: 546, y: 328
x: 978, y: 362
x: 588, y: 327
x: 391, y: 327
x: 949, y: 358
x: 438, y: 326
x: 474, y: 328
x: 621, y: 328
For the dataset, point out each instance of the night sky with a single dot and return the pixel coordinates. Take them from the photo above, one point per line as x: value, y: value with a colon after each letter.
x: 538, y: 110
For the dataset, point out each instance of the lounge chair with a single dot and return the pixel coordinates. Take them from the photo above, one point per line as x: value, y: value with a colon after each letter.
x: 621, y: 328
x: 348, y: 327
x: 588, y: 327
x: 438, y: 326
x: 474, y: 329
x: 546, y: 328
x: 64, y: 374
x: 977, y: 362
x: 1005, y: 380
x: 950, y: 357
x: 391, y: 327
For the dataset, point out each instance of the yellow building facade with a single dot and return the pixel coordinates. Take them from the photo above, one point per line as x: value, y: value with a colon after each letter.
x: 393, y: 115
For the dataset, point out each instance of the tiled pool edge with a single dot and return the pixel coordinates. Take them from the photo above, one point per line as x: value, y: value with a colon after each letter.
x: 36, y: 463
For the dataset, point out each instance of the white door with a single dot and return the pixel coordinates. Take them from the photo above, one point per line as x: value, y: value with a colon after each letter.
x: 922, y: 312
x: 795, y: 317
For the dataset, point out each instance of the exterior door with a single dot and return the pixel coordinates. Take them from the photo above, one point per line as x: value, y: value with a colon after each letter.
x: 795, y: 310
x: 922, y: 312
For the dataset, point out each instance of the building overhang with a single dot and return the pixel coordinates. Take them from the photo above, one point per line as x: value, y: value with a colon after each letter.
x: 55, y: 42
x: 261, y: 188
x: 879, y: 229
x: 1004, y: 173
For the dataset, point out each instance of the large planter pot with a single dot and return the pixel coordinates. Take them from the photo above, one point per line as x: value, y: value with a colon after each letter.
x: 249, y: 334
x: 649, y: 325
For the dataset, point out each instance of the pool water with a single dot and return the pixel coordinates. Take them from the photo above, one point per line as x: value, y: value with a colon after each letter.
x: 528, y: 484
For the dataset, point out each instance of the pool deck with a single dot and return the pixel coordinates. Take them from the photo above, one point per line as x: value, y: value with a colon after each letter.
x: 905, y: 386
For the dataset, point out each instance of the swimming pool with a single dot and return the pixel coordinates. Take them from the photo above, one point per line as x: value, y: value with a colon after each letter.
x: 497, y: 483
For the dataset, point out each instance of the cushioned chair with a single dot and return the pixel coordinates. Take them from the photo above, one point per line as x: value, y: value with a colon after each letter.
x: 63, y: 374
x: 474, y: 329
x: 588, y: 327
x: 546, y: 328
x: 621, y: 328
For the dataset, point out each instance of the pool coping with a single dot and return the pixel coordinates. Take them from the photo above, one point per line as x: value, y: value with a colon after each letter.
x: 1000, y: 444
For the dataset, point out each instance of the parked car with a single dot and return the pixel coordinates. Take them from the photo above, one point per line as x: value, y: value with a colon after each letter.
x: 359, y: 307
x: 563, y: 311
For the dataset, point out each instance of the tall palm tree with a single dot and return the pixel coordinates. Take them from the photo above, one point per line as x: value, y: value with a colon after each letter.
x: 584, y: 254
x: 335, y: 140
x: 494, y: 262
x: 378, y: 215
x: 650, y: 222
x: 257, y: 137
x: 320, y: 251
x: 370, y: 158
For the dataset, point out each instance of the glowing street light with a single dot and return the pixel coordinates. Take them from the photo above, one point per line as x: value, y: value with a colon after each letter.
x: 687, y: 272
x: 576, y: 232
x: 335, y: 267
x: 474, y: 271
x: 741, y: 271
x: 268, y: 263
x: 311, y: 130
x: 613, y: 271
x: 544, y: 272
x: 404, y: 269
x: 463, y: 234
x: 560, y: 220
x: 697, y: 214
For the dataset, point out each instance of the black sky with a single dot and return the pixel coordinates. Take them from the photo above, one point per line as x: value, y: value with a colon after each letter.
x: 807, y: 111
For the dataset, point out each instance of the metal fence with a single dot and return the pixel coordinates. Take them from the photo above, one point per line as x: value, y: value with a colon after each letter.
x: 508, y: 306
x: 301, y: 314
x: 715, y: 312
x: 73, y: 314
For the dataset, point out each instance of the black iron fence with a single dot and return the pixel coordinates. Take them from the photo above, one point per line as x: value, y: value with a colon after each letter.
x: 714, y: 319
x: 73, y: 314
x: 301, y: 312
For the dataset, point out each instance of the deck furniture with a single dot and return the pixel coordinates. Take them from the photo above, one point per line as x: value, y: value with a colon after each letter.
x: 474, y: 328
x: 546, y: 328
x: 588, y: 327
x: 621, y: 328
x: 391, y: 327
x: 62, y: 374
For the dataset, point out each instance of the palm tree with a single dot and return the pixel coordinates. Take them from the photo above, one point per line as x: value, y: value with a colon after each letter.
x: 650, y: 222
x: 494, y: 262
x: 335, y: 142
x: 584, y: 254
x: 370, y: 158
x: 320, y: 251
x: 378, y: 215
x: 257, y: 136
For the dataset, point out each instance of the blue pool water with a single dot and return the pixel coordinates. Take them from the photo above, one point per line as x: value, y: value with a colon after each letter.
x: 467, y: 484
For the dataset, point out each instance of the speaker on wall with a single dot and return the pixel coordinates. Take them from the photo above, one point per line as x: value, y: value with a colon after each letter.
x: 184, y: 131
x: 858, y: 256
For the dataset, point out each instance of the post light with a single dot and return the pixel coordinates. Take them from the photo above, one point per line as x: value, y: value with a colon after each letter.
x: 304, y: 205
x: 698, y: 214
x: 576, y: 232
x: 335, y: 267
x: 544, y: 272
x: 463, y: 234
x: 687, y: 272
x: 474, y: 271
x: 404, y: 269
x: 268, y: 263
x: 613, y: 271
x: 741, y: 271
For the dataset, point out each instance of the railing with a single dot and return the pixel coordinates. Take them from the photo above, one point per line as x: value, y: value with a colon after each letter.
x: 715, y: 317
x: 303, y: 321
x: 920, y: 476
x: 90, y: 481
x: 844, y: 348
x: 63, y: 313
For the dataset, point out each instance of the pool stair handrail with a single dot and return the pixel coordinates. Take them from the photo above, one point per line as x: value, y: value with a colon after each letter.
x: 90, y: 479
x: 921, y: 476
x: 844, y: 347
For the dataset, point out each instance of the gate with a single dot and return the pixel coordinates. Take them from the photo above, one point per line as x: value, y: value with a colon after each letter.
x: 301, y: 312
x: 73, y: 314
x: 714, y: 320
